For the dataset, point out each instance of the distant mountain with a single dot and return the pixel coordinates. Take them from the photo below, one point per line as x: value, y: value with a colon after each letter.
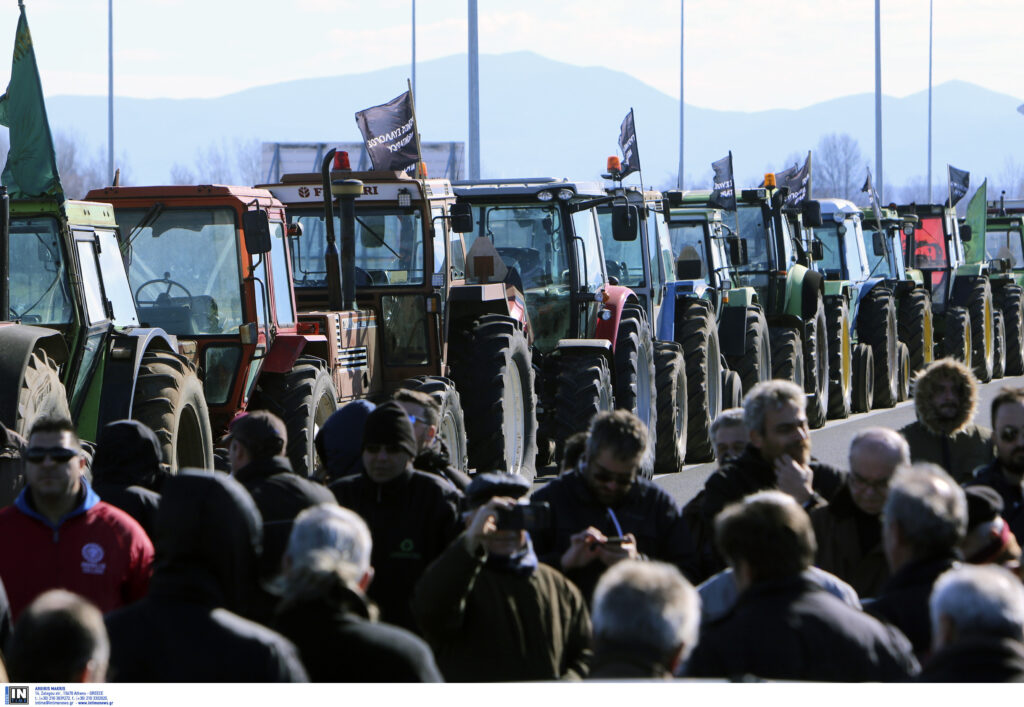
x: 542, y: 117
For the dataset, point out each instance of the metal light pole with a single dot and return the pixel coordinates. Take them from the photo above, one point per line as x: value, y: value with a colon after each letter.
x: 474, y: 96
x: 110, y: 87
x: 682, y: 96
x: 930, y: 8
x: 414, y: 48
x: 878, y: 103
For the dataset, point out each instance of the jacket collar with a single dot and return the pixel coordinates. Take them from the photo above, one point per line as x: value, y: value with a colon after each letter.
x: 260, y: 469
x: 921, y: 571
x: 87, y: 498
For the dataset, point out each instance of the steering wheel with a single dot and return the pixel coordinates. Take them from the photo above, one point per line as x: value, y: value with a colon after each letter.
x: 167, y: 281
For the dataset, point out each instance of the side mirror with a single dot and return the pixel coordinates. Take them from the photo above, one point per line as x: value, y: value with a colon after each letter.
x: 965, y: 233
x: 811, y: 211
x: 878, y: 243
x: 257, y: 231
x: 689, y: 269
x: 462, y: 218
x: 624, y: 222
x: 737, y: 250
x: 817, y: 250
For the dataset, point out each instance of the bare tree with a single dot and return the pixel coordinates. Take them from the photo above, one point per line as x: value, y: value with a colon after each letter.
x: 1011, y: 180
x: 915, y: 190
x: 248, y: 158
x: 182, y: 175
x: 78, y: 173
x: 839, y: 168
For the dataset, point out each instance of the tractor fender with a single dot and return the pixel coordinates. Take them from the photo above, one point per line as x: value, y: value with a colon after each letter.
x: 467, y: 302
x: 17, y: 343
x: 961, y: 294
x: 286, y: 349
x: 615, y: 298
x: 568, y: 347
x: 121, y: 368
x: 812, y: 288
x: 678, y: 296
x: 732, y: 330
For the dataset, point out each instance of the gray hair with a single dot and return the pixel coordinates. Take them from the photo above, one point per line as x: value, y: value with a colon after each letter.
x: 983, y: 599
x: 58, y: 636
x: 885, y: 440
x: 337, y: 530
x: 774, y: 393
x: 929, y: 508
x: 646, y: 604
x: 733, y: 417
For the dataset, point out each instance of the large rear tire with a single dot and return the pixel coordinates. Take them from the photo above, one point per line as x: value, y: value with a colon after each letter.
x: 755, y: 365
x: 492, y: 368
x: 904, y: 357
x: 876, y: 327
x: 670, y: 375
x: 1011, y: 303
x: 816, y: 369
x: 634, y: 377
x: 998, y: 344
x: 787, y: 355
x: 451, y: 427
x: 980, y: 307
x: 169, y: 400
x: 699, y: 333
x: 840, y: 359
x: 863, y: 378
x: 732, y: 390
x: 916, y: 328
x: 956, y: 340
x: 583, y: 389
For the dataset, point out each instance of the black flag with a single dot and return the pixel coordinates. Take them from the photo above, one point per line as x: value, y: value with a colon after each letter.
x: 959, y: 181
x: 873, y: 195
x: 627, y: 142
x: 389, y: 132
x: 798, y: 179
x: 724, y: 194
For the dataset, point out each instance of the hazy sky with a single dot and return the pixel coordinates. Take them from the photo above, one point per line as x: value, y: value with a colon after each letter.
x: 740, y: 54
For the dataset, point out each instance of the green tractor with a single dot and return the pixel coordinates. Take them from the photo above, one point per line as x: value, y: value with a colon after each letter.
x: 1004, y: 247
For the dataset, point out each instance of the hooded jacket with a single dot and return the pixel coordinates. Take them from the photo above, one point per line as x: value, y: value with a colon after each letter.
x: 340, y: 441
x: 95, y: 550
x: 958, y: 446
x: 12, y: 465
x: 126, y: 470
x: 189, y: 627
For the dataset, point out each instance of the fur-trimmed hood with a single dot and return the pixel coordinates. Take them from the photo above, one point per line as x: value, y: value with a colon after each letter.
x: 925, y: 385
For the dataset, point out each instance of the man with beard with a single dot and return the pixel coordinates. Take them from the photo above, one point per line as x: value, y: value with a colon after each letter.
x: 945, y: 399
x: 777, y: 458
x: 849, y: 529
x: 602, y: 512
x: 1006, y: 473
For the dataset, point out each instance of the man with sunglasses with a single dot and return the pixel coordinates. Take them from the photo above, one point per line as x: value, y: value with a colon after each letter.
x: 849, y: 528
x: 603, y: 512
x: 1006, y: 473
x: 60, y: 535
x: 431, y: 452
x: 412, y: 515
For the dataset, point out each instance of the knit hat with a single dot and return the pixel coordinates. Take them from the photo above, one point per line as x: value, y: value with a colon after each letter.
x: 484, y: 487
x: 389, y: 424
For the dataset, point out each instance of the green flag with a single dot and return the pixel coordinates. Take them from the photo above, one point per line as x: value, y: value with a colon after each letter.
x: 31, y: 169
x: 977, y: 219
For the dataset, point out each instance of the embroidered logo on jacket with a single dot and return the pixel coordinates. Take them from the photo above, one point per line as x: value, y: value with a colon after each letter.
x: 92, y: 554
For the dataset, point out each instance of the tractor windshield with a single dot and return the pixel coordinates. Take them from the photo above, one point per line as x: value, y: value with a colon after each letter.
x: 40, y: 292
x: 623, y: 259
x: 752, y: 227
x: 929, y: 245
x: 1005, y: 243
x: 688, y: 243
x: 389, y: 247
x: 844, y: 255
x: 183, y: 266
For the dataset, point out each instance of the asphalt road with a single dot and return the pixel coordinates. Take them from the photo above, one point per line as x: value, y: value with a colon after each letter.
x: 831, y: 443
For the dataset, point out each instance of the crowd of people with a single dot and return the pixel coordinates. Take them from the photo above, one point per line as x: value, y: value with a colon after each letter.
x: 397, y: 567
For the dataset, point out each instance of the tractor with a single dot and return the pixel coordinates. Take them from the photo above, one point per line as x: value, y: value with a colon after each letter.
x: 1004, y: 246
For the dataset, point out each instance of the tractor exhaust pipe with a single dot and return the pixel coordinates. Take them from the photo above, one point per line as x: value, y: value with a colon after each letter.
x: 5, y: 249
x: 331, y: 255
x: 347, y: 191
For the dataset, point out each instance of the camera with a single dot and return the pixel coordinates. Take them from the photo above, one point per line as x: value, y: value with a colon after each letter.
x: 525, y: 516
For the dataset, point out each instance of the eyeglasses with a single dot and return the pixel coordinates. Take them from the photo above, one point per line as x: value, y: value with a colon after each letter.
x: 61, y: 455
x: 413, y: 420
x: 1010, y: 434
x: 880, y: 485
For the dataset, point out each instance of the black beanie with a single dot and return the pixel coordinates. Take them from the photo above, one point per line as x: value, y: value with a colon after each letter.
x: 389, y: 424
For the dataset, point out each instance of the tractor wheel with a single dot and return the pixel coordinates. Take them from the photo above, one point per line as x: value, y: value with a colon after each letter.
x: 956, y: 342
x: 670, y: 376
x: 1011, y: 302
x: 904, y: 379
x: 916, y: 328
x: 840, y: 359
x: 493, y: 371
x: 755, y: 365
x: 699, y: 334
x: 787, y: 355
x: 634, y: 377
x: 42, y: 393
x: 998, y: 345
x: 876, y: 327
x: 732, y: 390
x: 816, y: 369
x: 303, y: 398
x: 169, y: 400
x: 980, y: 307
x: 584, y: 388
x: 452, y: 425
x: 863, y: 378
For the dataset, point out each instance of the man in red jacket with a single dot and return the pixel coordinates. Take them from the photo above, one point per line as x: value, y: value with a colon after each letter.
x: 59, y: 534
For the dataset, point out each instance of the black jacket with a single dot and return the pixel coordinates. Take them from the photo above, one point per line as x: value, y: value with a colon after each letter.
x: 903, y: 601
x: 1011, y: 493
x: 976, y: 658
x: 792, y: 629
x: 436, y: 460
x: 339, y: 643
x: 126, y: 470
x: 188, y: 628
x: 412, y: 518
x: 840, y: 550
x: 649, y: 512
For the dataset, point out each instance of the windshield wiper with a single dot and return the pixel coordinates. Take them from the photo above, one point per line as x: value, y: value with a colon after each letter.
x: 377, y: 236
x: 147, y: 219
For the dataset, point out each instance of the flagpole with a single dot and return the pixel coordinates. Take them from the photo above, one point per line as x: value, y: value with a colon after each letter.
x: 810, y: 182
x: 878, y: 93
x: 474, y: 95
x: 636, y: 149
x: 682, y: 104
x: 416, y: 132
x: 414, y: 46
x: 930, y: 101
x: 110, y: 86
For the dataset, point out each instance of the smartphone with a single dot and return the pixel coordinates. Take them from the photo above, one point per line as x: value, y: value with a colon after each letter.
x: 616, y: 540
x: 525, y: 516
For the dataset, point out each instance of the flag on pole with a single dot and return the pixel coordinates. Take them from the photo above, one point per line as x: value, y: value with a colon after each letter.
x: 627, y: 143
x: 977, y: 219
x: 389, y: 131
x: 798, y: 180
x: 959, y: 181
x: 724, y: 194
x: 31, y: 169
x: 873, y: 195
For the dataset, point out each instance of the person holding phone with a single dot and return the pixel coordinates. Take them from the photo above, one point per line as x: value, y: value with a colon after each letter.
x: 489, y: 609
